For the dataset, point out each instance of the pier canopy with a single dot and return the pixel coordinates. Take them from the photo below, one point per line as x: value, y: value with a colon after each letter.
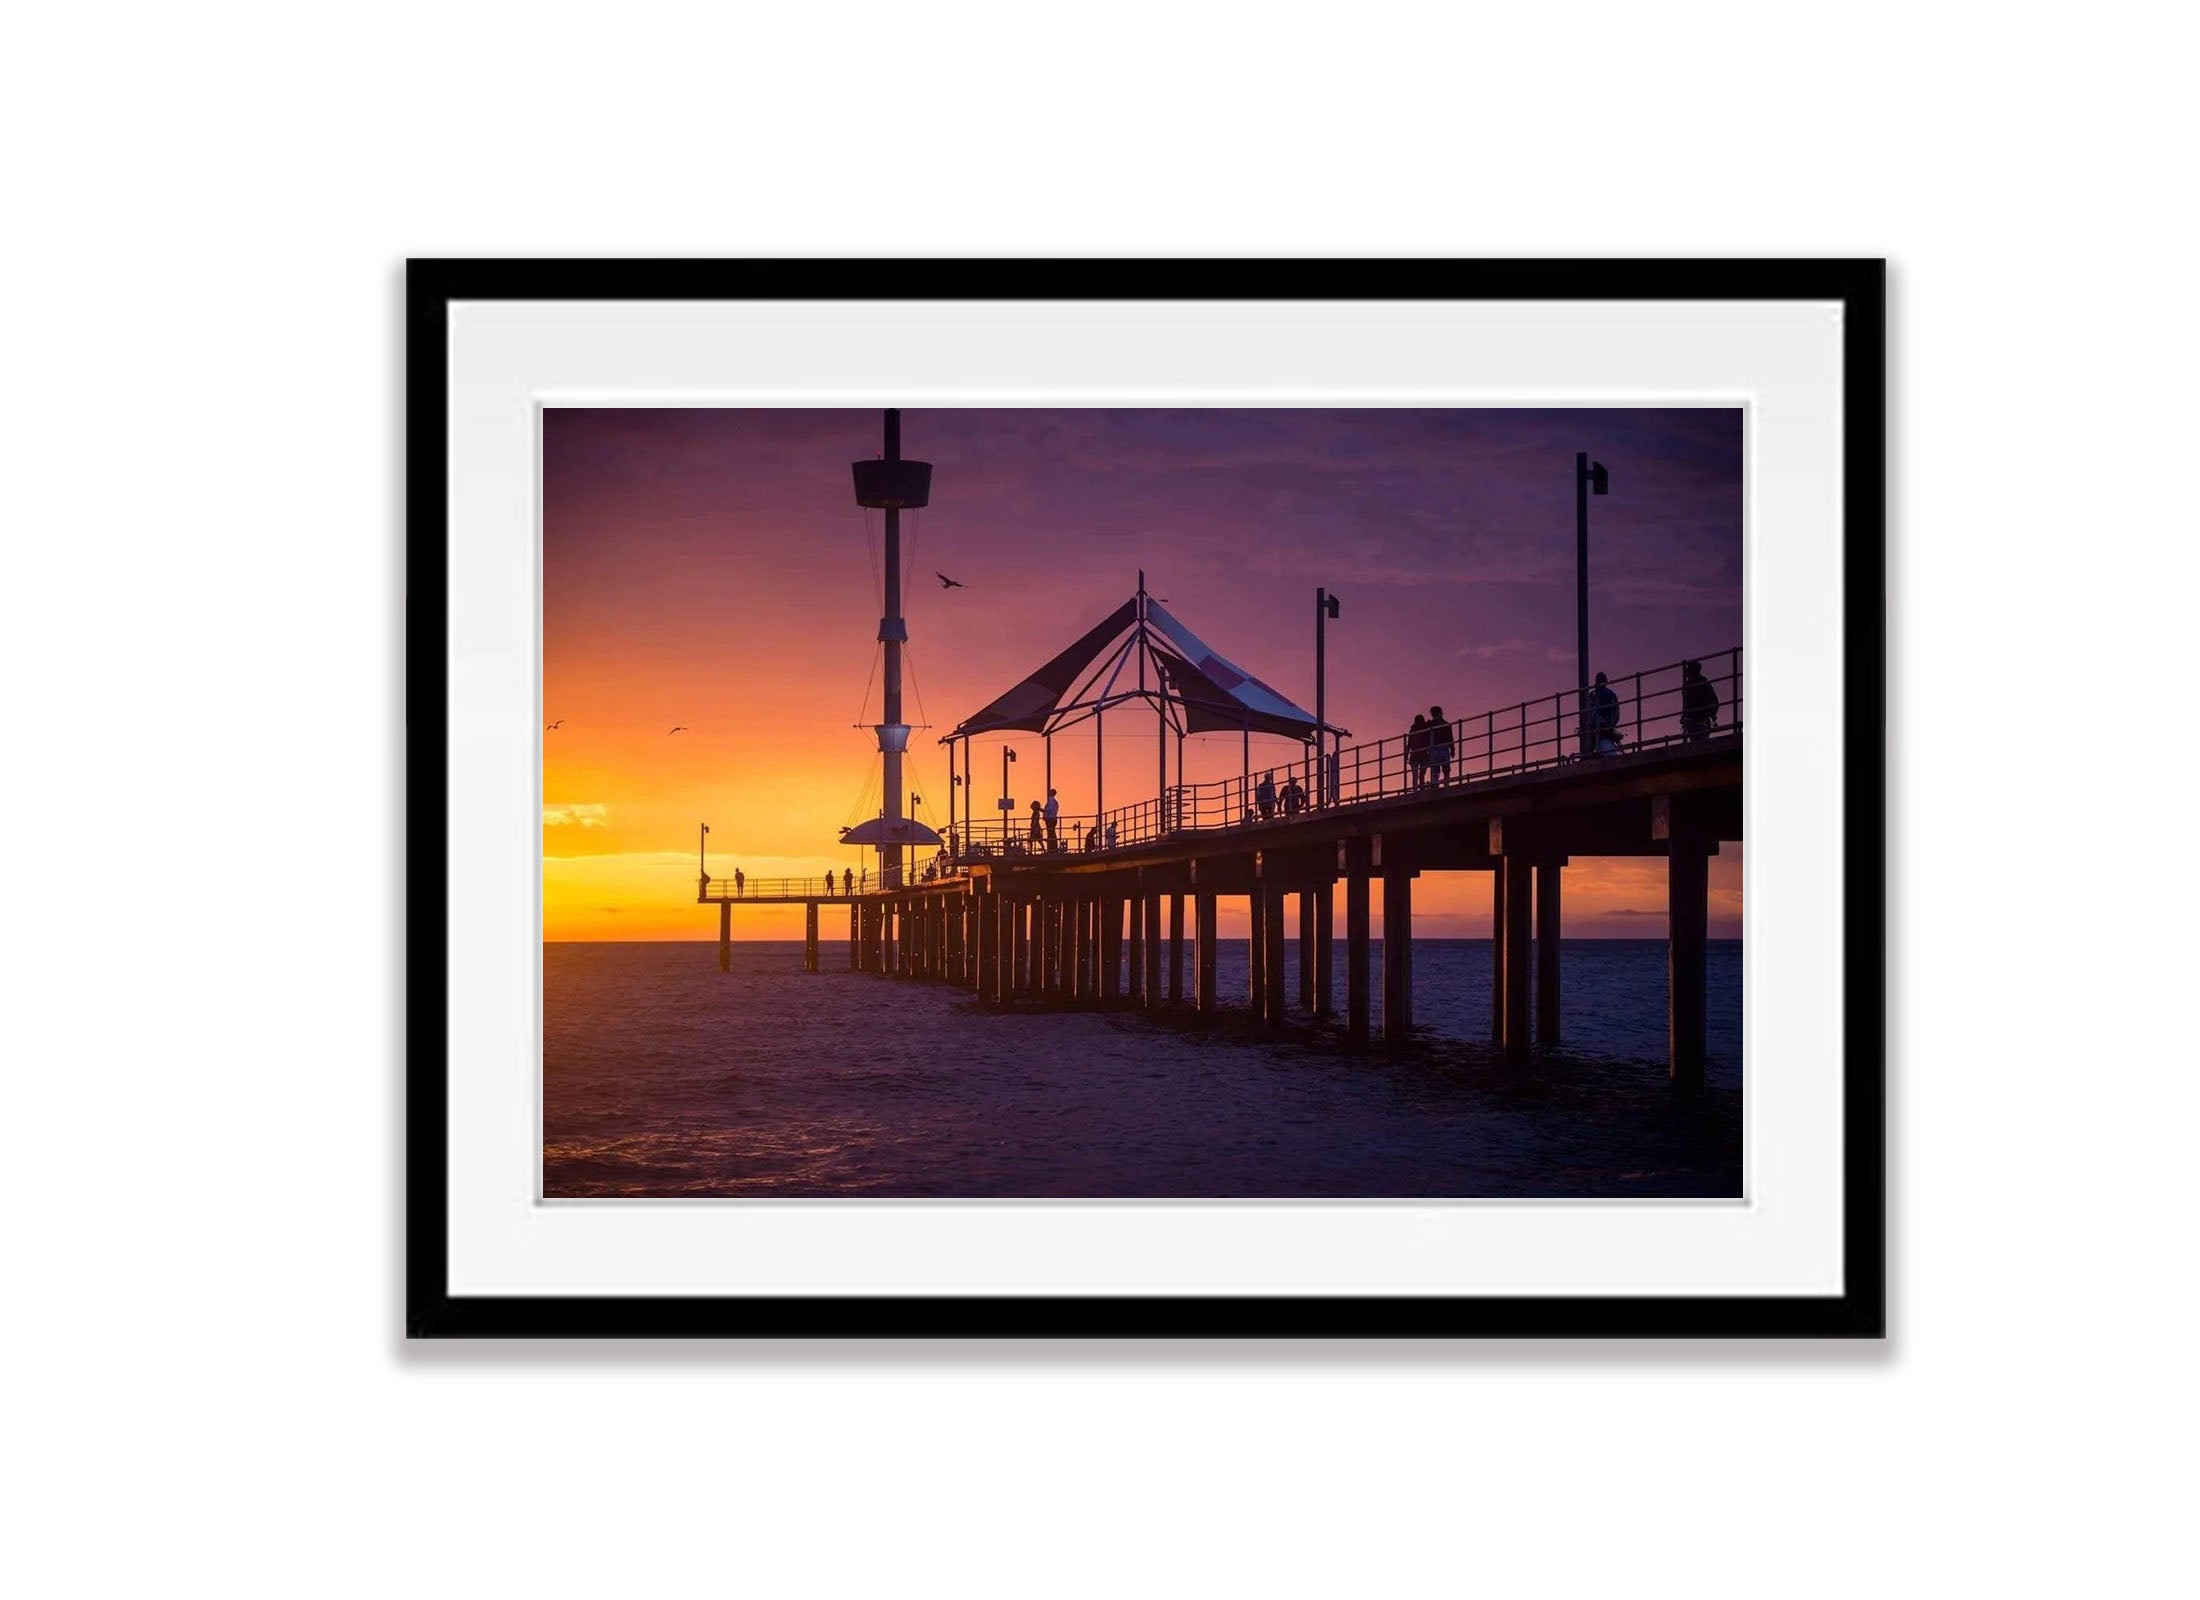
x: 1202, y: 690
x: 889, y: 830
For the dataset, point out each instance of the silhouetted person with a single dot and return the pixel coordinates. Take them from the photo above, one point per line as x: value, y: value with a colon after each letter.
x: 1294, y: 797
x: 1699, y: 701
x: 1038, y: 827
x: 1264, y: 797
x: 1603, y: 719
x: 740, y: 883
x: 1417, y: 750
x: 1110, y: 842
x: 1439, y: 744
x: 1053, y: 814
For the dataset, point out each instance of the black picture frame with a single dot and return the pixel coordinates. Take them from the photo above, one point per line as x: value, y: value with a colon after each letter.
x: 432, y: 1311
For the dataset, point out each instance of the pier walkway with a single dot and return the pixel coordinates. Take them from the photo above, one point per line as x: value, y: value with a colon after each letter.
x: 1122, y: 910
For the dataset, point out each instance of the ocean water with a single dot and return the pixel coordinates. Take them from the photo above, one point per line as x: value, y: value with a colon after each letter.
x: 664, y: 1077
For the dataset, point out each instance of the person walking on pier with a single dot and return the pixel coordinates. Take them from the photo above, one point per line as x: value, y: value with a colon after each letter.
x: 1439, y: 745
x: 1699, y: 702
x: 847, y: 881
x: 1294, y: 796
x: 1417, y: 749
x: 1265, y: 797
x: 740, y: 883
x: 1054, y: 823
x: 1603, y: 719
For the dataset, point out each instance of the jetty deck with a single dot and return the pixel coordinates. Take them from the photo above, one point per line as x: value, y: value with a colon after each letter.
x: 1120, y: 909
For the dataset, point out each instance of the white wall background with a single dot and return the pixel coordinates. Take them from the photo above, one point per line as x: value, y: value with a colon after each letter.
x: 200, y: 508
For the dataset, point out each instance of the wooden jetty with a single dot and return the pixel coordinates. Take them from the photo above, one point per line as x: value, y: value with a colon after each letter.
x: 1135, y: 925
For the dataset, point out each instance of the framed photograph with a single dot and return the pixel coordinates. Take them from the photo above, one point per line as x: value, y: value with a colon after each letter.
x: 1145, y: 798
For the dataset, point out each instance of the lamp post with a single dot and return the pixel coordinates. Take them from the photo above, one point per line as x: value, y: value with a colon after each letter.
x: 1325, y: 608
x: 1008, y: 754
x: 702, y: 865
x: 1589, y: 478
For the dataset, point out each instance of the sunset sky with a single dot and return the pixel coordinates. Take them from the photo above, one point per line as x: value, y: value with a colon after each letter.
x: 710, y: 568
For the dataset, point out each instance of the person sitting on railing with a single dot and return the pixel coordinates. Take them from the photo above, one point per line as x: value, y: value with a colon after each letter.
x: 1265, y: 797
x: 1439, y: 745
x: 1604, y: 719
x: 1417, y: 749
x: 1699, y: 701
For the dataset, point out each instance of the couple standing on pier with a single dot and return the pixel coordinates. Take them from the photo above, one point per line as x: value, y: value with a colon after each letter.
x: 1046, y: 824
x: 1428, y: 748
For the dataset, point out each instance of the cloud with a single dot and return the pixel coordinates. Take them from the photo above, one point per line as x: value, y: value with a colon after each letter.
x: 576, y: 816
x: 1628, y: 911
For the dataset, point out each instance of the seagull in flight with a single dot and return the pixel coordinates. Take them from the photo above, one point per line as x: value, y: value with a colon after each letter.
x: 682, y: 728
x: 555, y: 726
x: 945, y: 581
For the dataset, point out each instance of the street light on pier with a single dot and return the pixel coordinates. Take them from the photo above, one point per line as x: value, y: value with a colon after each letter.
x: 1589, y: 478
x: 1008, y: 754
x: 1325, y: 611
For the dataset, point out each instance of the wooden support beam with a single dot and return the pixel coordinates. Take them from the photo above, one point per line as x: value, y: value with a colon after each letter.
x: 1152, y: 989
x: 1547, y: 940
x: 1325, y: 910
x: 1397, y: 957
x: 1019, y: 918
x: 1176, y: 949
x: 1497, y: 950
x: 1687, y: 914
x: 1306, y: 952
x: 989, y: 945
x: 1073, y: 949
x: 1111, y: 949
x: 1519, y: 954
x: 1271, y: 958
x: 809, y: 938
x: 1356, y: 1006
x: 1205, y: 955
x: 1137, y: 975
x: 1256, y: 954
x: 855, y: 938
x: 725, y: 936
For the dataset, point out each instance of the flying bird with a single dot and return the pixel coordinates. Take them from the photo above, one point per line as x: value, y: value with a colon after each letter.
x: 680, y: 729
x: 945, y: 581
x: 555, y: 726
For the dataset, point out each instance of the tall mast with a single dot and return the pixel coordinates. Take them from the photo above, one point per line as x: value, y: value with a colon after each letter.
x: 892, y: 485
x: 893, y: 733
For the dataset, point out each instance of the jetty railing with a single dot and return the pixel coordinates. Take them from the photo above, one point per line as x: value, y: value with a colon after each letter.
x: 1651, y: 709
x: 828, y: 887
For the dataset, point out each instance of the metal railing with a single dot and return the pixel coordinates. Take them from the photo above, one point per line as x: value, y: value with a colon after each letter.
x: 746, y: 888
x: 1655, y: 708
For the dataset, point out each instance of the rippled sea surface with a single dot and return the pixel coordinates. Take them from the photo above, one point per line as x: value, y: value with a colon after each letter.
x: 663, y: 1076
